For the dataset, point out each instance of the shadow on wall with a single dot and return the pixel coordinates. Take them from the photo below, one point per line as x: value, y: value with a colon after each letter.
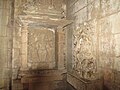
x: 111, y: 80
x: 41, y: 80
x: 70, y: 87
x: 105, y: 88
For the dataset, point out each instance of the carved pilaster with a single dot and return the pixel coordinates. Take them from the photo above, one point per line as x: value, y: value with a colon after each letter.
x: 24, y: 40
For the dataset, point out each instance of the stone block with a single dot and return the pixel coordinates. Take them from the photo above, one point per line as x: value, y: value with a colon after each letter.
x: 81, y: 84
x: 58, y: 85
x: 6, y: 74
x: 105, y: 42
x: 24, y: 48
x: 10, y: 43
x: 94, y: 10
x: 4, y: 16
x: 9, y: 57
x: 115, y: 5
x: 3, y: 57
x: 17, y: 85
x: 71, y: 11
x: 17, y: 42
x: 16, y: 58
x: 2, y: 83
x: 17, y: 31
x: 3, y: 30
x: 4, y: 41
x: 109, y: 6
x: 117, y: 45
x: 117, y: 77
x: 71, y: 3
x: 61, y: 36
x: 115, y: 23
x: 90, y: 1
x: 4, y: 4
x: 80, y: 4
x: 77, y: 84
x: 24, y: 36
x: 117, y: 63
x: 81, y: 17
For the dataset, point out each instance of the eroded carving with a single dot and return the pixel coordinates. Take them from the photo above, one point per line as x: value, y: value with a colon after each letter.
x: 84, y: 51
x: 49, y: 8
x: 41, y: 48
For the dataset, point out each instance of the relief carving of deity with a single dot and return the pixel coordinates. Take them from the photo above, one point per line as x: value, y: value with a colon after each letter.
x: 41, y: 46
x: 84, y: 58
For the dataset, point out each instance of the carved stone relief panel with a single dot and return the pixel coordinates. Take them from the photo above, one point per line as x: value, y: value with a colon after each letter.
x: 84, y: 50
x: 41, y: 49
x: 41, y: 7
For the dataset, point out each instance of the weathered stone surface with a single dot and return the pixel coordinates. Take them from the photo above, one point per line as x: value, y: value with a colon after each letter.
x: 93, y: 9
x: 52, y: 79
x: 61, y: 50
x: 5, y: 47
x: 81, y: 84
x: 3, y: 57
x: 17, y: 31
x: 105, y: 42
x: 109, y: 6
x: 4, y: 4
x: 81, y: 17
x: 117, y: 45
x: 16, y: 58
x: 3, y: 30
x: 105, y: 38
x: 4, y: 16
x: 16, y: 42
x: 92, y: 52
x: 80, y: 4
x: 85, y: 46
x: 115, y: 23
x: 17, y: 85
x: 41, y: 47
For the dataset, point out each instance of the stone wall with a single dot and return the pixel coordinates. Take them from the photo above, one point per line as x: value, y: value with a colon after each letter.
x: 95, y: 40
x: 6, y: 24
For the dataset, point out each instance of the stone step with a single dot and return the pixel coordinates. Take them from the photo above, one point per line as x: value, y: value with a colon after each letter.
x: 41, y: 79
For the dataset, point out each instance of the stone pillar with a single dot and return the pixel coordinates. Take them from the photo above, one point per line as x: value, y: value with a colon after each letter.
x: 5, y: 43
x: 61, y: 48
x: 24, y: 40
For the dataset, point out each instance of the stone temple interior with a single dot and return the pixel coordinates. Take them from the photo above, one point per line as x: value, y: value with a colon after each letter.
x: 59, y: 44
